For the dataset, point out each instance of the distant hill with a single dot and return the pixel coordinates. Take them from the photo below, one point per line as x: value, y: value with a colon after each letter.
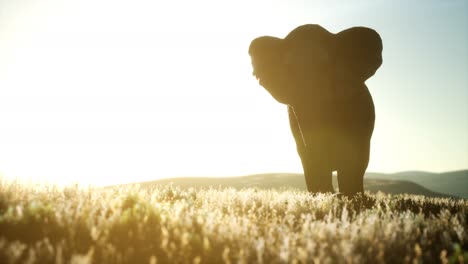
x: 290, y: 180
x: 453, y: 183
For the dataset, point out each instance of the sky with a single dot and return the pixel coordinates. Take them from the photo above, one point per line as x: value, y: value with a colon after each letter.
x: 104, y: 92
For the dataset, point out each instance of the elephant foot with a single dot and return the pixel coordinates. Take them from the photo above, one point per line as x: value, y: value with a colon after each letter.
x: 322, y: 188
x: 338, y: 195
x: 351, y: 182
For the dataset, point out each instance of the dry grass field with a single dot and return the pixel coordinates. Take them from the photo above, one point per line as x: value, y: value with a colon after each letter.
x: 129, y: 224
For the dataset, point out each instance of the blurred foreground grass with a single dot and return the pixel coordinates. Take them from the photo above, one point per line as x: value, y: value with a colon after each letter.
x: 48, y: 224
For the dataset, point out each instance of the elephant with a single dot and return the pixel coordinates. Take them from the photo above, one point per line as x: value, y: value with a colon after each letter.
x: 321, y: 76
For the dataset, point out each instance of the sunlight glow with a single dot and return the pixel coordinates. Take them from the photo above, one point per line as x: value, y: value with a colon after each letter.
x: 106, y: 92
x: 99, y: 99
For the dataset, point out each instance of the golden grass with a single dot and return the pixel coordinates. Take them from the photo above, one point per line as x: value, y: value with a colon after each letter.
x: 48, y: 224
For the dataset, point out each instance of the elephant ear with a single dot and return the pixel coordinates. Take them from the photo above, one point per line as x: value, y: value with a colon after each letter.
x: 266, y: 53
x: 358, y: 52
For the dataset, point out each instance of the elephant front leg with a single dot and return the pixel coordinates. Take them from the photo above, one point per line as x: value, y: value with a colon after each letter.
x: 317, y: 171
x: 300, y: 145
x: 352, y: 169
x: 317, y: 175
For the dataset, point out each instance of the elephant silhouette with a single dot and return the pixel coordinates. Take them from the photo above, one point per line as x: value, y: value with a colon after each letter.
x: 321, y: 76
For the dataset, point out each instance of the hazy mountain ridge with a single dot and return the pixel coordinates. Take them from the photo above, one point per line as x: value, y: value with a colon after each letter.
x: 397, y: 183
x: 454, y: 183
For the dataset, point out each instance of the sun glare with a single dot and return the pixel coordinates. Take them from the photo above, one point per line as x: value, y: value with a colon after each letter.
x: 105, y: 93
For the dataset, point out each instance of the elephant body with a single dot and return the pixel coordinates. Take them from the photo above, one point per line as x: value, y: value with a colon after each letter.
x: 320, y: 77
x: 337, y: 140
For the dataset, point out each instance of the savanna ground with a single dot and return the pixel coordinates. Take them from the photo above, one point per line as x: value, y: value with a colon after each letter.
x: 48, y: 224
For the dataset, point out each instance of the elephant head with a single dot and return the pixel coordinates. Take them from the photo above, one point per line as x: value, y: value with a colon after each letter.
x: 269, y: 66
x: 310, y: 62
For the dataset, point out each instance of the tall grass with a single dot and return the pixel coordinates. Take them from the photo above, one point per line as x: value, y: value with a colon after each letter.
x: 48, y: 224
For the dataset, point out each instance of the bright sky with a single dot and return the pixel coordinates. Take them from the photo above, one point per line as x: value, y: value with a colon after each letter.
x: 121, y: 91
